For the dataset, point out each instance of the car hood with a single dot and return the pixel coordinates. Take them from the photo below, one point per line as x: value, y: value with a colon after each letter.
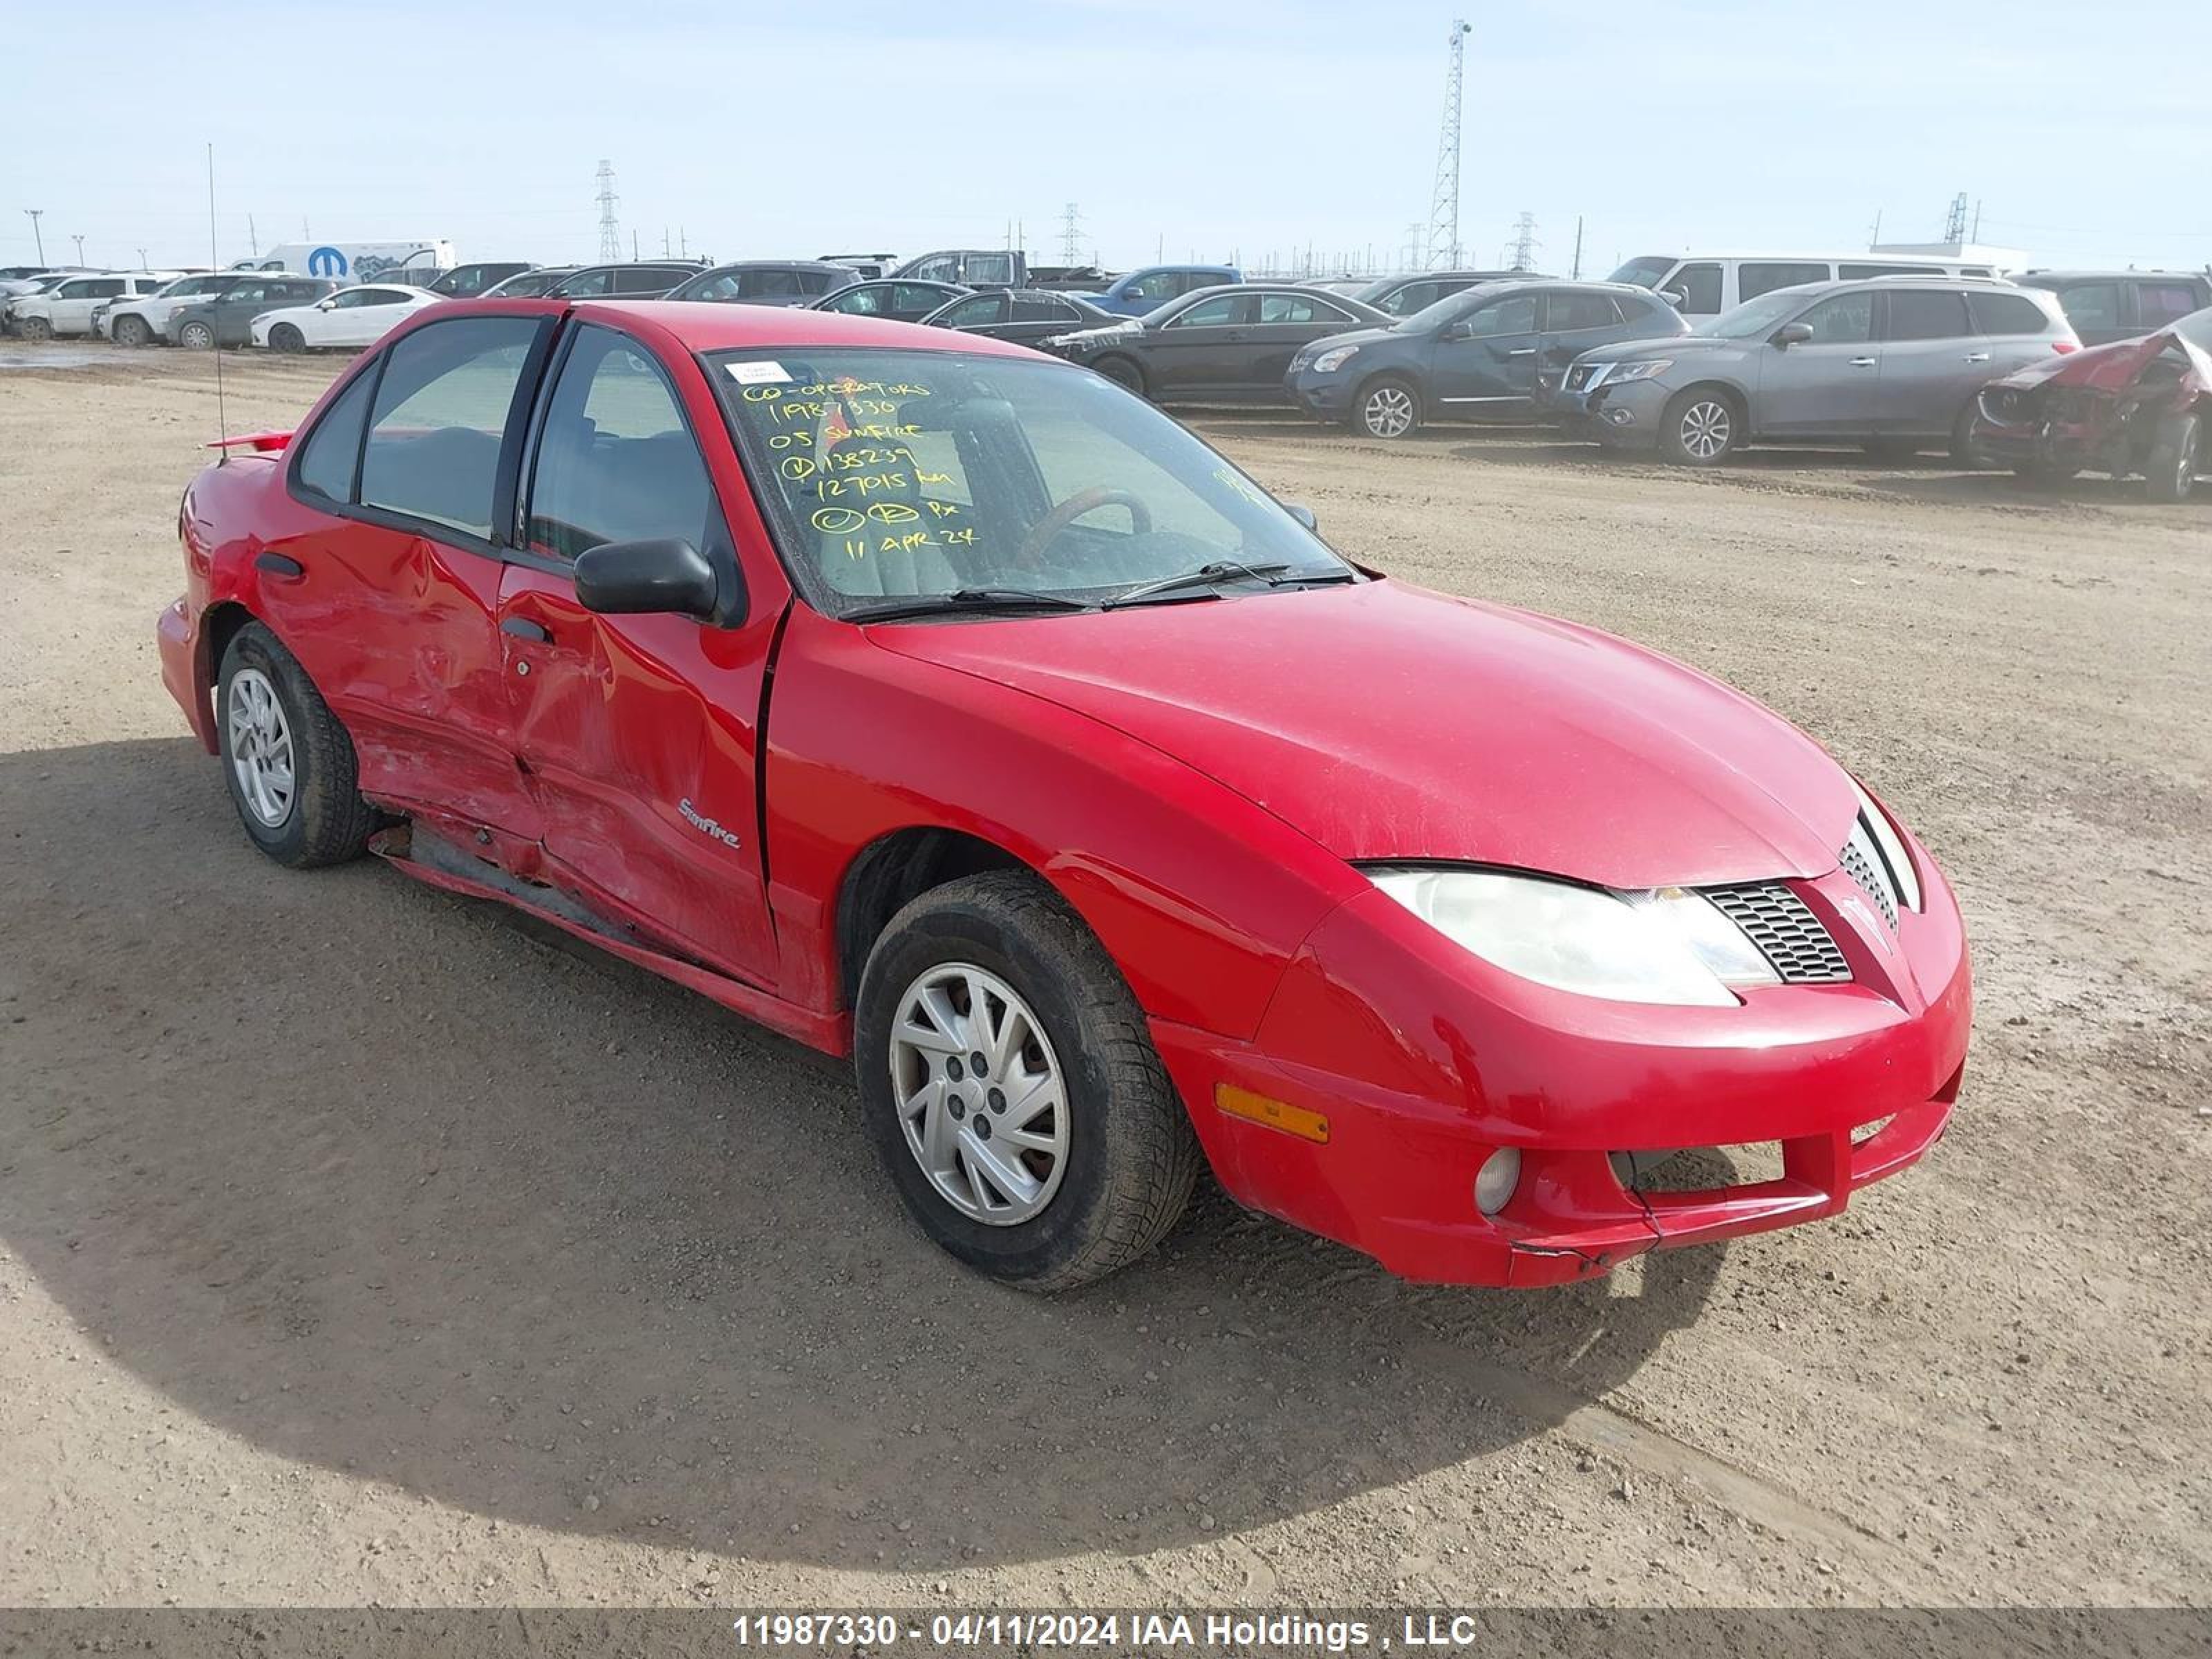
x: 1386, y: 721
x: 1351, y: 336
x: 1665, y: 345
x: 2111, y: 368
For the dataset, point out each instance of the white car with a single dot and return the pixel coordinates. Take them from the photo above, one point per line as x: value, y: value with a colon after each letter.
x: 66, y: 308
x: 355, y: 316
x: 141, y: 321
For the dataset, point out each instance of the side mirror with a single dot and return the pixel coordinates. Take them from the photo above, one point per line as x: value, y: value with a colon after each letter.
x: 1303, y: 514
x: 1462, y: 329
x: 326, y: 305
x: 664, y: 575
x: 1676, y: 297
x: 1790, y: 334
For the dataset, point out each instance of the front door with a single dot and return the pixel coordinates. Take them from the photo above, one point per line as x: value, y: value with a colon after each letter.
x: 1189, y: 355
x: 639, y: 734
x: 1829, y: 385
x: 1485, y: 358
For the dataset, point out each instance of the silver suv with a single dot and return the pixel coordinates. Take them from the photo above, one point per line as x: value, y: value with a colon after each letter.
x: 1895, y: 363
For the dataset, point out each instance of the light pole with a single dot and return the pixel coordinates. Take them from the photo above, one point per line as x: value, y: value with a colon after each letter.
x: 79, y: 240
x: 35, y: 236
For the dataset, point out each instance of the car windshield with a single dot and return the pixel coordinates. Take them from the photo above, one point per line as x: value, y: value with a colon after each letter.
x: 1754, y: 317
x: 909, y: 475
x: 1643, y: 271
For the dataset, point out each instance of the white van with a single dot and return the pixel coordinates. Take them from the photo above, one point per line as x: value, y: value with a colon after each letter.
x: 1706, y: 284
x: 358, y: 262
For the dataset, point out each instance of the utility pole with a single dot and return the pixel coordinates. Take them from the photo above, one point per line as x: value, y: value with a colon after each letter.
x: 634, y: 254
x: 143, y: 265
x: 609, y: 233
x: 1874, y: 240
x: 36, y: 236
x: 1070, y: 244
x: 666, y: 243
x: 1444, y: 203
x: 1575, y: 275
x: 253, y: 238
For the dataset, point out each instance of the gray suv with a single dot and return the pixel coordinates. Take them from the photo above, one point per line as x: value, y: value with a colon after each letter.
x: 1895, y: 363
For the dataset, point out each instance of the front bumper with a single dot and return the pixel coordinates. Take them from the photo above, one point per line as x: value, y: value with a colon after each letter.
x: 1327, y: 397
x: 1437, y: 1061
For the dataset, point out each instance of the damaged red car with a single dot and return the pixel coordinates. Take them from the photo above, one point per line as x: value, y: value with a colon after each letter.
x: 2134, y: 406
x: 943, y: 705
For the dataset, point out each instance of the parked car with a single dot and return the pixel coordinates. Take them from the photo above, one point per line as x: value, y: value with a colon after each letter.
x: 900, y: 299
x: 970, y: 267
x: 1403, y: 295
x: 227, y: 319
x: 765, y: 283
x: 1153, y: 286
x: 1218, y: 345
x: 1027, y: 315
x: 2140, y: 406
x: 2105, y: 306
x: 1894, y: 363
x: 529, y: 285
x: 1481, y: 354
x: 1702, y: 285
x: 146, y: 318
x: 640, y: 279
x: 65, y: 309
x: 356, y: 316
x: 1118, y: 826
x: 867, y: 266
x: 474, y: 280
x: 26, y: 288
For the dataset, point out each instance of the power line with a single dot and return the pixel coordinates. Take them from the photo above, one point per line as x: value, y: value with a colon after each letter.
x: 610, y: 232
x: 1444, y: 205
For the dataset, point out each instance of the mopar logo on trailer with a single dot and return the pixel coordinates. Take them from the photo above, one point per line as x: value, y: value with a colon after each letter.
x: 326, y: 262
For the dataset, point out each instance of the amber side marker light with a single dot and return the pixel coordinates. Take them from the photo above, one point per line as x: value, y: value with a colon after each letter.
x: 1275, y: 1113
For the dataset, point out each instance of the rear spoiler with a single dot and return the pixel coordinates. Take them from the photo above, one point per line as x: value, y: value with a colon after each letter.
x: 261, y: 443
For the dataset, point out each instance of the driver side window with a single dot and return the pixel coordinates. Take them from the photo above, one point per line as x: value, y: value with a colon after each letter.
x: 1847, y: 319
x: 1515, y: 314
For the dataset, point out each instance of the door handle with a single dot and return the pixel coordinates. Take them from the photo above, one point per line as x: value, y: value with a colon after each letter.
x: 276, y: 564
x: 1863, y: 362
x: 1522, y: 351
x: 1978, y: 356
x: 523, y: 629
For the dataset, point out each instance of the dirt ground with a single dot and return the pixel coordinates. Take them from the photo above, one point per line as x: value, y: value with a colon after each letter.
x: 358, y: 1244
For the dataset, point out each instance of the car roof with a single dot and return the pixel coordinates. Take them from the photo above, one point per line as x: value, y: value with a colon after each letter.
x: 704, y: 325
x: 2038, y: 277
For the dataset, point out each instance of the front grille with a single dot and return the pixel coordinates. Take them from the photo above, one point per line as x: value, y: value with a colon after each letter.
x: 1863, y: 862
x: 1789, y: 935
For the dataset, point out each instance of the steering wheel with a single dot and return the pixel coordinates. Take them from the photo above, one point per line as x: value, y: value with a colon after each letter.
x: 1047, y: 530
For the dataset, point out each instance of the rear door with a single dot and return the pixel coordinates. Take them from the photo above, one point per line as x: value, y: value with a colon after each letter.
x: 639, y: 734
x: 400, y: 560
x: 1932, y: 360
x: 1038, y: 315
x: 1254, y: 366
x: 1575, y: 320
x: 1829, y: 385
x: 1485, y: 359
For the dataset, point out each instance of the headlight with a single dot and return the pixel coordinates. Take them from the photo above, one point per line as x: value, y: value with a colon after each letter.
x: 1892, y: 846
x: 1329, y: 361
x: 1642, y: 371
x: 1666, y: 946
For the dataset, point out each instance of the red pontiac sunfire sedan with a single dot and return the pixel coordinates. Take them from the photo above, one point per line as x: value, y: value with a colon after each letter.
x: 936, y: 702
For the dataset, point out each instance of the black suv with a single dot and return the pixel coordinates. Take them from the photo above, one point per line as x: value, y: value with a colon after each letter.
x: 228, y: 319
x: 2105, y: 306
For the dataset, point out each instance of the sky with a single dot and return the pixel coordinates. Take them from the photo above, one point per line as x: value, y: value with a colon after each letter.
x: 1238, y: 128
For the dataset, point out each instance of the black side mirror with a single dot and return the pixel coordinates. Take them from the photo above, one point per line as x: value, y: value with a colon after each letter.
x: 666, y: 574
x: 1790, y: 334
x: 1303, y: 514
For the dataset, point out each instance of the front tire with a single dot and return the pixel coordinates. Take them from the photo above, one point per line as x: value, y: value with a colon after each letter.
x: 290, y: 763
x: 131, y: 331
x: 1701, y: 427
x: 196, y: 336
x: 1386, y: 407
x: 2176, y: 452
x: 37, y: 328
x: 1070, y: 1155
x: 286, y: 338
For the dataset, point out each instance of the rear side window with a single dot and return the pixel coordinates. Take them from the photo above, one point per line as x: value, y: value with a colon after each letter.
x: 440, y: 418
x: 1568, y: 312
x: 1756, y: 277
x: 333, y: 448
x: 1042, y: 309
x: 1700, y: 288
x: 2158, y: 304
x: 1292, y: 308
x: 2005, y: 313
x: 1921, y: 314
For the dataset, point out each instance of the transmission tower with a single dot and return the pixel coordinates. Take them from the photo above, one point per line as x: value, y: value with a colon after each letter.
x: 1524, y: 241
x: 1071, y: 237
x: 610, y: 234
x: 1954, y: 227
x: 1444, y: 207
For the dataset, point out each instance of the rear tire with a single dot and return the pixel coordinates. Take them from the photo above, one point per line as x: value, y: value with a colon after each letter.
x: 290, y: 763
x: 1701, y: 427
x: 286, y: 338
x: 1387, y: 407
x: 1126, y: 372
x: 131, y: 331
x: 196, y: 336
x: 1123, y: 1157
x: 2176, y: 453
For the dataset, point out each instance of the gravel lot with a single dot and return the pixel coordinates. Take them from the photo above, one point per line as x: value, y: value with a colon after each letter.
x: 358, y: 1244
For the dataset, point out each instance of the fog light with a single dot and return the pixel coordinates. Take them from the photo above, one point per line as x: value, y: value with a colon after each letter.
x: 1495, y: 1182
x: 1619, y: 417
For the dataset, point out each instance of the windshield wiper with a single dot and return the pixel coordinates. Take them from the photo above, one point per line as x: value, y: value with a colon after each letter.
x: 1222, y: 570
x: 973, y: 600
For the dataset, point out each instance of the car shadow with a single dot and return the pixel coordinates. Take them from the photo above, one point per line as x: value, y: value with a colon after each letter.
x: 373, y: 1178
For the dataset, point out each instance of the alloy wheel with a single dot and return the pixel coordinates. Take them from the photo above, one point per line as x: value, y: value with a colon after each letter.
x: 982, y: 1099
x: 1388, y: 411
x: 260, y: 748
x: 1706, y: 428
